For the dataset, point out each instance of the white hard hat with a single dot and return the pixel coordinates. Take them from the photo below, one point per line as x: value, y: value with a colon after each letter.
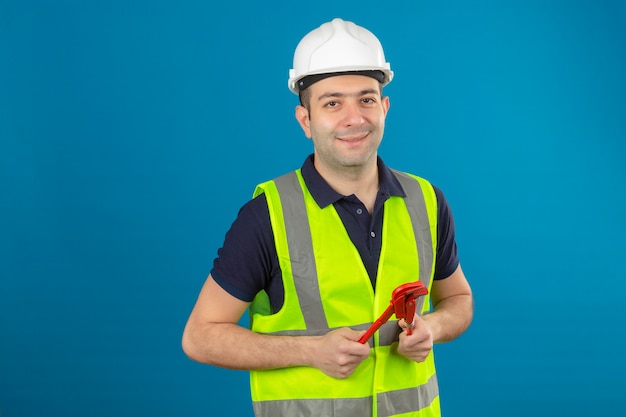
x: 338, y: 47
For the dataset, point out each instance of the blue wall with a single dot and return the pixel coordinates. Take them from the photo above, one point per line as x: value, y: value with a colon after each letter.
x: 131, y: 133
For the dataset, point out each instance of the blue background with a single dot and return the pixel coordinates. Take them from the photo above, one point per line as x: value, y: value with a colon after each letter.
x: 131, y: 133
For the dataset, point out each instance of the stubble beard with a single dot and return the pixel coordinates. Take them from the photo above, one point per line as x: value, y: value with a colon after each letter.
x: 347, y: 162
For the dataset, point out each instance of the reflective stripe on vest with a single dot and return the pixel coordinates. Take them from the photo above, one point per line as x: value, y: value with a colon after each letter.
x: 291, y: 206
x: 395, y: 402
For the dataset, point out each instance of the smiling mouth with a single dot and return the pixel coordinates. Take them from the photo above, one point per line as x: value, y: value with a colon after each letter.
x: 353, y: 138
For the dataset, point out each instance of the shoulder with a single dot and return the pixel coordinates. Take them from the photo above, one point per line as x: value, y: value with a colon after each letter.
x: 441, y: 198
x: 251, y: 229
x: 245, y: 257
x: 254, y: 208
x: 252, y: 222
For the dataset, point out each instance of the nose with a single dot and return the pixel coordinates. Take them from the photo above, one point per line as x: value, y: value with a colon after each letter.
x: 353, y: 114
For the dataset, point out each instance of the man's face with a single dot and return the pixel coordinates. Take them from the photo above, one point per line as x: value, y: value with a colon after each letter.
x: 345, y: 120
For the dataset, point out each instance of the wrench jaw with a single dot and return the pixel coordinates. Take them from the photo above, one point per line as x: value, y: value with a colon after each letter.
x: 403, y: 305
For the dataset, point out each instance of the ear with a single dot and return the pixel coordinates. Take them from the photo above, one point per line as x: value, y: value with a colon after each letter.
x: 302, y: 116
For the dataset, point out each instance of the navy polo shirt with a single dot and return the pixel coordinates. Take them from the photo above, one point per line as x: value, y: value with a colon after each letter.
x: 248, y: 263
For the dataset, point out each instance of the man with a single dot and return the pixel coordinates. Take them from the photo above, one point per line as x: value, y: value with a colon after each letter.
x: 317, y: 253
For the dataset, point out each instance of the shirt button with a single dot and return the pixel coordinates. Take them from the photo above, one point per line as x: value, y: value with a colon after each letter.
x: 359, y: 211
x: 372, y: 234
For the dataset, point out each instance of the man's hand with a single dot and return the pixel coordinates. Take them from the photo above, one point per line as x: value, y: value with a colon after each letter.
x: 453, y: 309
x: 338, y: 353
x: 418, y: 345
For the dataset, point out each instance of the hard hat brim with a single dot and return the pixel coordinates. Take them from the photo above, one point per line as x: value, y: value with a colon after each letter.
x: 383, y: 75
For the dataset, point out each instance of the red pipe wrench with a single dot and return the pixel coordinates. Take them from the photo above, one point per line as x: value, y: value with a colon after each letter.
x: 402, y: 304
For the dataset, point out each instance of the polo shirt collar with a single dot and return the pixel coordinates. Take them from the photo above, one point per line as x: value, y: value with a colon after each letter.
x: 324, y: 195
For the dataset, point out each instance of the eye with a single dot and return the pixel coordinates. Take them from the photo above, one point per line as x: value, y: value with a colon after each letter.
x: 368, y: 100
x: 332, y: 104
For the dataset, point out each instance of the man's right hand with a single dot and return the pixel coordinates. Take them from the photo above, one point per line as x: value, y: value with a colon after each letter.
x: 338, y: 353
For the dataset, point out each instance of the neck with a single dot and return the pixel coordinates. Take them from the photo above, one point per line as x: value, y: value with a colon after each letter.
x: 361, y: 181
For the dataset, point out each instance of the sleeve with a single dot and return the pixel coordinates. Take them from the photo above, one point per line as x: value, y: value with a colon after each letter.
x: 243, y: 266
x: 447, y: 257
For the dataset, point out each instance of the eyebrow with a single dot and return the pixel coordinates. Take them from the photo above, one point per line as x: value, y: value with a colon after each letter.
x: 359, y: 94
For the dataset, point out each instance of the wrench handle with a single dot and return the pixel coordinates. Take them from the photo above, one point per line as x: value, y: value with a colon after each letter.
x: 376, y: 325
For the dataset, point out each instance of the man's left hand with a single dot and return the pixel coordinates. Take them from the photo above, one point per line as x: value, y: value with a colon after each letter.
x: 418, y: 345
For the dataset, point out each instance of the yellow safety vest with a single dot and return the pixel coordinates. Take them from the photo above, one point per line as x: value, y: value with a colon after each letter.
x: 327, y: 287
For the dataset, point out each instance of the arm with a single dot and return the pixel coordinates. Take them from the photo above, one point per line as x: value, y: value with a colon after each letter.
x: 212, y: 336
x: 453, y: 309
